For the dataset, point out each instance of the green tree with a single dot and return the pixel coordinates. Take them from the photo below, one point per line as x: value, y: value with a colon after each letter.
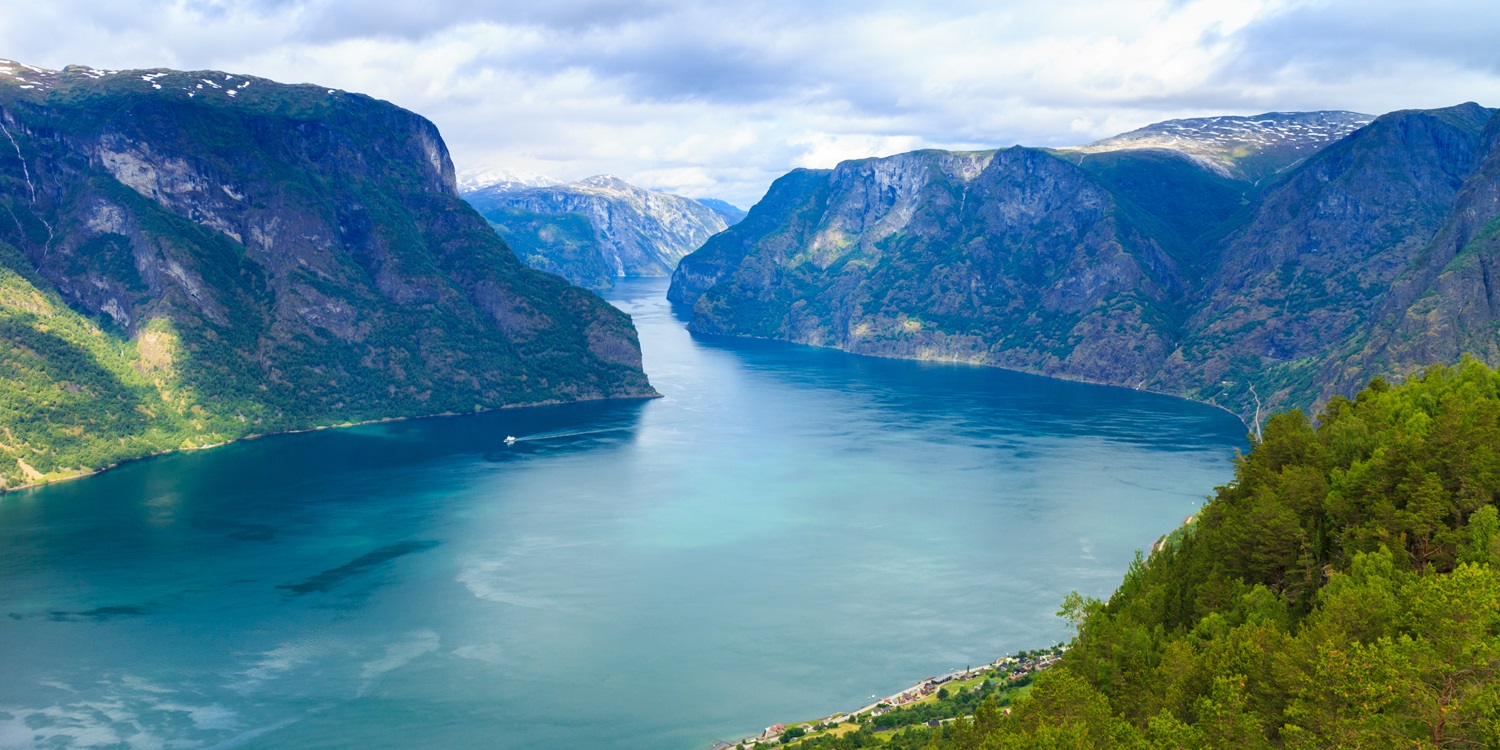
x: 1481, y: 544
x: 1342, y: 591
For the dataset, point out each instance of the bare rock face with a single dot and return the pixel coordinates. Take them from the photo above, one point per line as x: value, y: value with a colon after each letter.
x: 1446, y: 303
x: 1014, y: 258
x: 1308, y: 272
x: 1151, y: 260
x: 596, y: 230
x: 300, y: 253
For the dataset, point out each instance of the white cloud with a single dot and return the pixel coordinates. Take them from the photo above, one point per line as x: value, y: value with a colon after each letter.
x: 716, y: 100
x: 825, y: 150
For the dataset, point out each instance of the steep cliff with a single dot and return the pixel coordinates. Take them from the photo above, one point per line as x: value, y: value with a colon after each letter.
x: 1307, y: 272
x: 1015, y: 258
x: 1148, y: 266
x: 1447, y: 301
x: 634, y: 231
x: 189, y: 258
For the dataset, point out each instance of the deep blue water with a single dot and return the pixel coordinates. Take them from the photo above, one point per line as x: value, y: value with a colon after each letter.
x: 787, y: 532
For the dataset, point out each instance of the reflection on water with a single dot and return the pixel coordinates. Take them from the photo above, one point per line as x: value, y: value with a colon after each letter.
x: 787, y: 531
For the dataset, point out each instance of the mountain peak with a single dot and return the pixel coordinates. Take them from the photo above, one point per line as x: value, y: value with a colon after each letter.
x: 1244, y: 147
x: 216, y: 86
x: 594, y: 230
x: 501, y: 180
x: 1469, y: 115
x: 606, y: 182
x: 28, y: 77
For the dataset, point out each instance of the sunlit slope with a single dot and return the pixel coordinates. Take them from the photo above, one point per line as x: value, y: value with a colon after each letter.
x: 196, y: 257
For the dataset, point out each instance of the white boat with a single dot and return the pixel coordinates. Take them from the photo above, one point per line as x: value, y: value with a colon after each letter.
x: 510, y: 439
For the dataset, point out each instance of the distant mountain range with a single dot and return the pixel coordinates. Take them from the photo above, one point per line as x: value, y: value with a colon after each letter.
x: 596, y: 230
x: 501, y: 179
x: 1252, y: 262
x: 732, y: 214
x: 188, y: 258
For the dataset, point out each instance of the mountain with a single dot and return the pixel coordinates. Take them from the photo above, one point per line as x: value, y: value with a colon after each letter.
x: 632, y: 231
x: 188, y: 258
x: 501, y: 179
x: 1447, y: 302
x: 1145, y: 267
x: 1248, y: 148
x: 1310, y: 271
x: 1015, y: 258
x: 731, y: 213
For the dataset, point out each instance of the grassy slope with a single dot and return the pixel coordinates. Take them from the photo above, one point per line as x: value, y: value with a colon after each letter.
x: 76, y: 397
x: 416, y: 307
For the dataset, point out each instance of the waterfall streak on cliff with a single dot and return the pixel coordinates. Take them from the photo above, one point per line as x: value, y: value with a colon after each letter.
x: 25, y: 170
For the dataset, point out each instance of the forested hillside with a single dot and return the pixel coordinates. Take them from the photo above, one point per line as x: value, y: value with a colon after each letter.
x: 1342, y: 591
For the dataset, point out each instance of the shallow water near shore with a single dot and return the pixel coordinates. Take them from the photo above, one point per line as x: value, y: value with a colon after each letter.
x: 788, y: 531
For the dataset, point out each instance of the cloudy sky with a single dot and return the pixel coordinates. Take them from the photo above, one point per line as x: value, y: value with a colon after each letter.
x: 713, y: 99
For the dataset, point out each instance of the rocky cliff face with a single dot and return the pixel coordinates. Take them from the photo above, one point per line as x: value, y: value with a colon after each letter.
x: 771, y: 229
x: 1446, y: 303
x: 189, y: 258
x: 1138, y: 267
x: 1315, y: 261
x: 635, y: 232
x: 1014, y: 258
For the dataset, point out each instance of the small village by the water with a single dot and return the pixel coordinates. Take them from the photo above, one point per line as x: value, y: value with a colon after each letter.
x: 1006, y: 673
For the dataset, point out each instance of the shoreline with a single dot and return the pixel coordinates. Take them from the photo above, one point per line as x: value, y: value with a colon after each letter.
x: 972, y: 363
x: 1023, y: 663
x: 316, y: 428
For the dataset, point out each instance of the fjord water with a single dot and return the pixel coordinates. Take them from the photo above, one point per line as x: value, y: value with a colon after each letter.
x: 786, y: 532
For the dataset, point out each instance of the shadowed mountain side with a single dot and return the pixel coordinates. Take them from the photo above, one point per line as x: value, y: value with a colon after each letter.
x: 1014, y: 258
x: 1448, y: 301
x: 731, y: 213
x: 1139, y: 267
x: 1305, y: 274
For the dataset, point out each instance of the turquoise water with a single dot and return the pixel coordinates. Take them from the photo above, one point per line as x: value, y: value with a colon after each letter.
x: 787, y: 532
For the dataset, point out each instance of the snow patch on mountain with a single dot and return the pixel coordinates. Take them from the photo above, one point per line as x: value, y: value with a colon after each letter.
x: 471, y: 180
x: 1230, y: 144
x: 637, y: 232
